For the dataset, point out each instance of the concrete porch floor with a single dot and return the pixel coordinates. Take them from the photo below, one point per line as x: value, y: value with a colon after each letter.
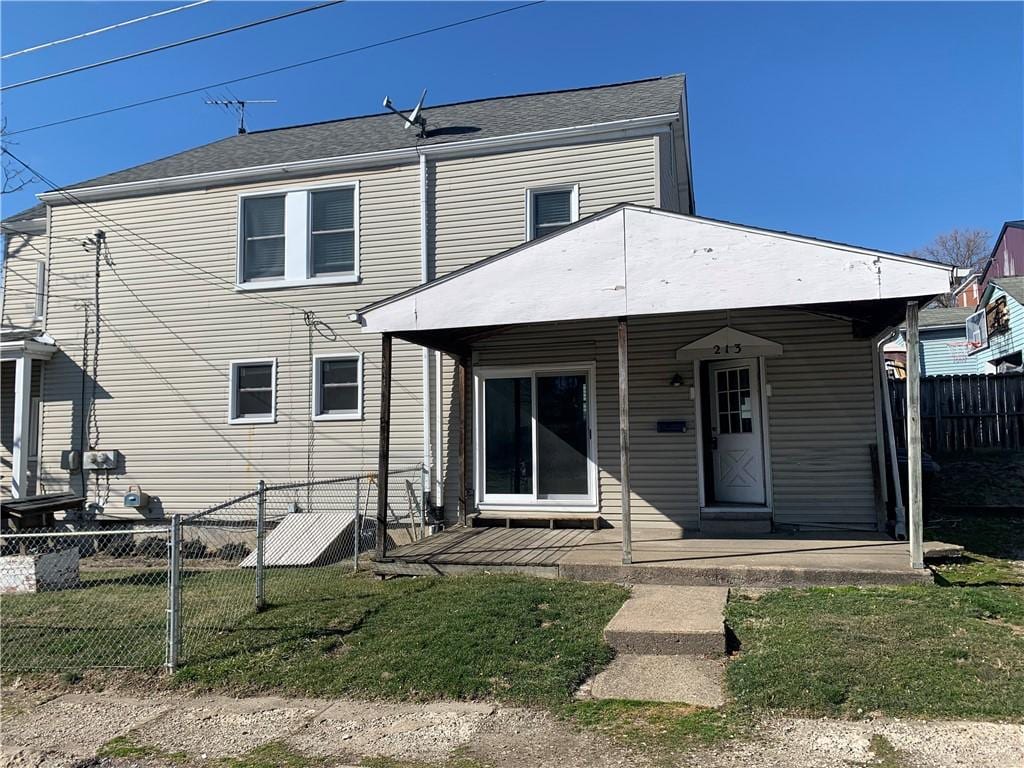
x: 659, y: 557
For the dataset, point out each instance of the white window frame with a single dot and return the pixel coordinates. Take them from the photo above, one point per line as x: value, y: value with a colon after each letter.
x: 298, y: 238
x: 232, y: 390
x: 574, y: 205
x: 533, y: 501
x: 355, y: 415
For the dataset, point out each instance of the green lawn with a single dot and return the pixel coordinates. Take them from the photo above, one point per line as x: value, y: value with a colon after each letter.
x: 328, y: 632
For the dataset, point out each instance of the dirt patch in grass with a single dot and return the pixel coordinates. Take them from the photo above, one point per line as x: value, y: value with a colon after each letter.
x: 900, y: 651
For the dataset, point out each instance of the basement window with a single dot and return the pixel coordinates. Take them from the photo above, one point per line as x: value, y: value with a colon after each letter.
x: 338, y: 383
x: 252, y: 398
x: 549, y: 209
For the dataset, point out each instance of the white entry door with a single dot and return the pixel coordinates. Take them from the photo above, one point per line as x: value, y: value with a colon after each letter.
x: 736, y: 445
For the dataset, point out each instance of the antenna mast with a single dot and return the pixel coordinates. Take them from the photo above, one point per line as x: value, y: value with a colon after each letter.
x: 238, y: 107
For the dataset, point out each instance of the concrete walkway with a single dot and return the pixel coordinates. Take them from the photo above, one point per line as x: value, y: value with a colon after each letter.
x: 670, y: 646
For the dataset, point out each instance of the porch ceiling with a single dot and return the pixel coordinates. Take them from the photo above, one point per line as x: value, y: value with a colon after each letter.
x: 631, y: 260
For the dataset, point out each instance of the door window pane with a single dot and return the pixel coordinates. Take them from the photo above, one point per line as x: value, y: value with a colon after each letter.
x: 562, y: 435
x: 735, y: 414
x: 508, y: 436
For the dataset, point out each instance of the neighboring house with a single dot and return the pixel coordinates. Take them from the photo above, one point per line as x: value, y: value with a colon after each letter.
x: 204, y: 381
x: 996, y: 330
x: 943, y: 344
x: 22, y: 343
x: 968, y: 292
x: 506, y: 251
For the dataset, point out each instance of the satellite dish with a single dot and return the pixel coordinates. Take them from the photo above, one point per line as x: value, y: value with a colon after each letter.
x: 414, y: 118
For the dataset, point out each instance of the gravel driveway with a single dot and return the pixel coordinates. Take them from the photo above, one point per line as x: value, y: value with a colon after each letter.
x: 65, y: 731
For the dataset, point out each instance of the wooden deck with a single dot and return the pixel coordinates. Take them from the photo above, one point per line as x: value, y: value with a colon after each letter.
x: 535, y: 551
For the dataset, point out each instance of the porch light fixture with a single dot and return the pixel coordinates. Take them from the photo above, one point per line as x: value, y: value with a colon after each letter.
x: 677, y: 381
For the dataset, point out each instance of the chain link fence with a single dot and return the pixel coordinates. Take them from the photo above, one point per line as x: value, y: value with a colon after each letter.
x: 82, y: 597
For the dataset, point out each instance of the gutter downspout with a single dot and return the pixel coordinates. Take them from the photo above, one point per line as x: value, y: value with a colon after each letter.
x: 901, y: 512
x: 428, y: 464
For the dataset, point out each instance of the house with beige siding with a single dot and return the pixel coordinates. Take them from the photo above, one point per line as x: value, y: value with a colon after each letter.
x: 523, y: 300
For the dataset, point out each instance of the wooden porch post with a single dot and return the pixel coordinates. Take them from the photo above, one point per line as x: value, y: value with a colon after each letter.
x: 914, y: 438
x: 384, y: 449
x: 627, y: 532
x: 465, y: 382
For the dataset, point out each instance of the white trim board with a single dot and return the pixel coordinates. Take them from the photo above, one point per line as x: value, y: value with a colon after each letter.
x: 632, y: 261
x: 232, y: 379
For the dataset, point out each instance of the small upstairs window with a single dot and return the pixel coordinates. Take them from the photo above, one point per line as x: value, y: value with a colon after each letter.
x: 263, y: 238
x: 551, y: 209
x: 332, y: 232
x: 252, y: 391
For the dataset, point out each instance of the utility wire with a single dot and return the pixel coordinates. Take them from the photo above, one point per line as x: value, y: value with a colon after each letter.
x: 276, y: 70
x: 319, y: 326
x: 102, y: 29
x: 168, y: 46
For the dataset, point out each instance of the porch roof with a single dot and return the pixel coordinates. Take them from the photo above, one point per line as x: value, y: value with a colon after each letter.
x: 631, y: 260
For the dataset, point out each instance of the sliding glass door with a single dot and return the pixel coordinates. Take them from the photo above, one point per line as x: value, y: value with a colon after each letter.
x: 535, y: 443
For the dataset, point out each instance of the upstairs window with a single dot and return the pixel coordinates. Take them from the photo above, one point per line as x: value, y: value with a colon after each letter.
x: 332, y: 232
x: 263, y: 238
x: 551, y: 209
x: 299, y: 237
x: 252, y: 391
x: 338, y: 386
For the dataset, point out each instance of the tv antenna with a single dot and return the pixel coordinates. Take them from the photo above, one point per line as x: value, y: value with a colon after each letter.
x: 238, y: 107
x: 415, y: 118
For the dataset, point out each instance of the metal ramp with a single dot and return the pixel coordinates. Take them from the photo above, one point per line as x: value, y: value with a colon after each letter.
x: 309, y: 538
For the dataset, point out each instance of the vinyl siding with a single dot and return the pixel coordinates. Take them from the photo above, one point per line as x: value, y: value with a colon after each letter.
x: 1004, y: 343
x: 821, y: 417
x: 944, y: 352
x: 480, y: 205
x: 22, y: 255
x: 170, y: 331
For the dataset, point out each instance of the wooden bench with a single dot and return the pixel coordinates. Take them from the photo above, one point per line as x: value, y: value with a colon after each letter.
x: 592, y: 519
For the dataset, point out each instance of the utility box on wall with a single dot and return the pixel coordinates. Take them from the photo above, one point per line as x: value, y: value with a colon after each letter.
x: 97, y: 460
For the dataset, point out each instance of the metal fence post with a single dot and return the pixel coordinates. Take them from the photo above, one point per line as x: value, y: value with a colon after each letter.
x: 174, y: 594
x: 261, y: 510
x: 357, y: 532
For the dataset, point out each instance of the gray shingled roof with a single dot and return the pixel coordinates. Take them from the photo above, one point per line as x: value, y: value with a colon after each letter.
x: 1014, y: 287
x: 481, y: 119
x: 937, y: 316
x: 37, y: 211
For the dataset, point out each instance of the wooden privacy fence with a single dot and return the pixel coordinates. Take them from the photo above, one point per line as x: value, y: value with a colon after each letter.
x: 962, y: 413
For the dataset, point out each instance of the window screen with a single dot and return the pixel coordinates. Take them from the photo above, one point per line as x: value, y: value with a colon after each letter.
x: 551, y: 211
x: 263, y: 233
x: 254, y: 390
x: 332, y: 231
x: 339, y: 386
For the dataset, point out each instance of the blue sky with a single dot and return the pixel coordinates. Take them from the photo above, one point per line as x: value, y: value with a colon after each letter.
x: 880, y: 124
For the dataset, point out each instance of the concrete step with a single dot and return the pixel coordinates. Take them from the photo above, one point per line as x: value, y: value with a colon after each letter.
x: 662, y: 620
x: 727, y: 528
x: 685, y: 679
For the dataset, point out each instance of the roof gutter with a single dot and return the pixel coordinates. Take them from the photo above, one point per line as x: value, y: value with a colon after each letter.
x: 637, y: 126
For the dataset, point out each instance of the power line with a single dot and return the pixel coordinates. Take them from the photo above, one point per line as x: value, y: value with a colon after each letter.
x: 168, y: 46
x: 223, y: 283
x: 102, y: 29
x: 276, y: 70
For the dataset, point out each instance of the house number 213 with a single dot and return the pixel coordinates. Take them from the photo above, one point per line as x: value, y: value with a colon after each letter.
x: 728, y: 349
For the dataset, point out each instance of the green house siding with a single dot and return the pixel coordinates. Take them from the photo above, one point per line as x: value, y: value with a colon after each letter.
x: 944, y: 352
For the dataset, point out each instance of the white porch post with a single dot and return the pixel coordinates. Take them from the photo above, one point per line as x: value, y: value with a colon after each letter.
x: 914, y: 438
x: 627, y: 531
x: 22, y: 404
